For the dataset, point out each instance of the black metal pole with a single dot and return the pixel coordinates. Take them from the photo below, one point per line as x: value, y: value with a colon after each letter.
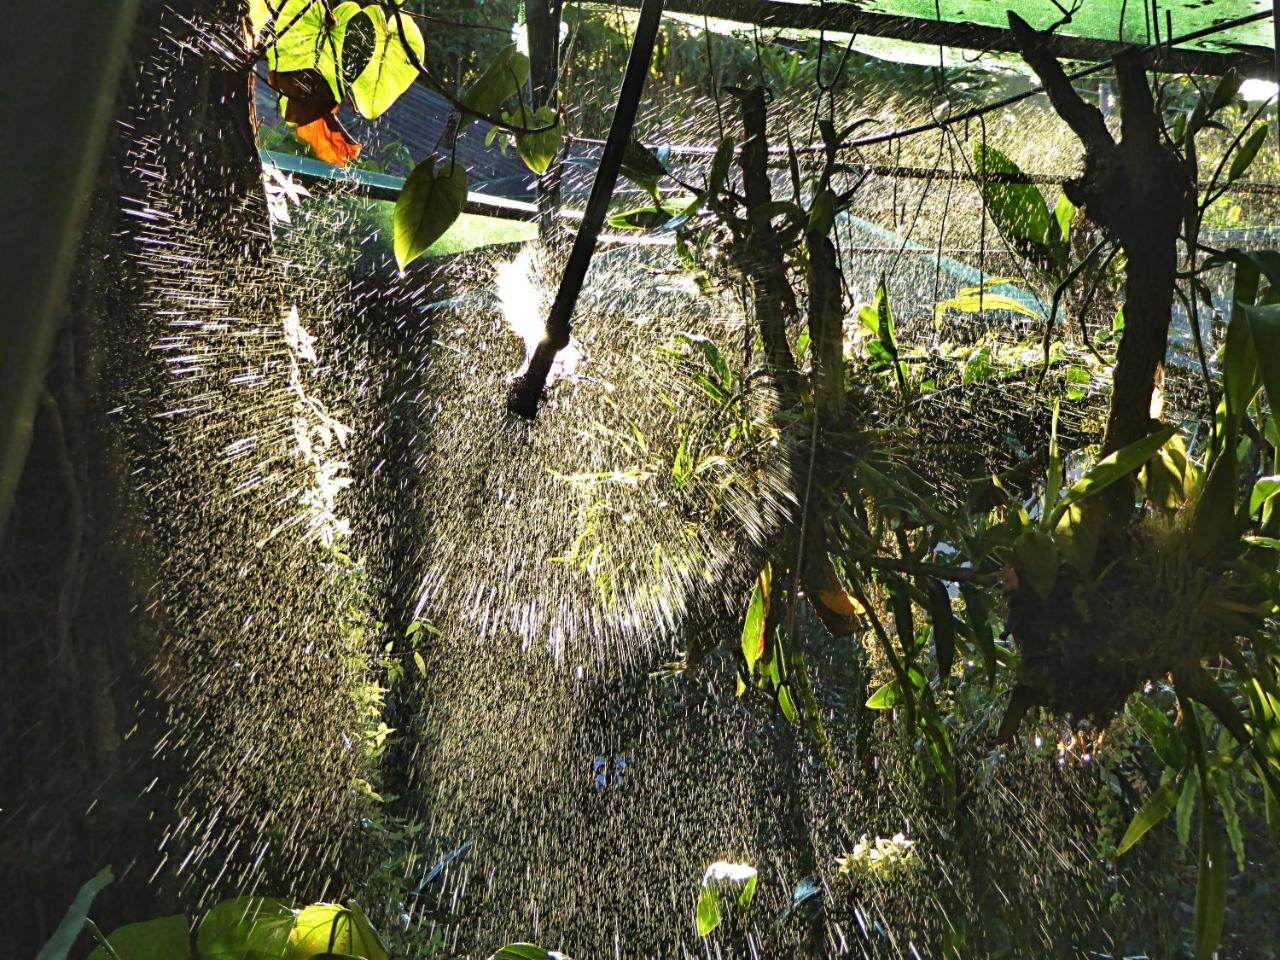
x: 527, y: 391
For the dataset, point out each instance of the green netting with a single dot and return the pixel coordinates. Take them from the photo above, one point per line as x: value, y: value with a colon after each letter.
x: 1130, y: 21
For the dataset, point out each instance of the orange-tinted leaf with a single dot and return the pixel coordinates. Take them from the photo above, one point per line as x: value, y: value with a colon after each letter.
x: 329, y: 140
x: 838, y: 601
x: 307, y: 94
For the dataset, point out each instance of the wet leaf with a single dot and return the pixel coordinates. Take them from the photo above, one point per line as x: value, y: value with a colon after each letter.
x: 523, y: 951
x: 429, y: 203
x: 944, y: 626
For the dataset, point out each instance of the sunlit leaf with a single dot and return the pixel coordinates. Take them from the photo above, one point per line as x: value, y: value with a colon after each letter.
x: 246, y: 928
x: 537, y: 150
x: 508, y: 72
x: 330, y: 140
x: 389, y: 72
x: 709, y: 913
x: 430, y: 201
x: 1113, y: 468
x: 1018, y: 209
x: 523, y: 951
x: 753, y: 627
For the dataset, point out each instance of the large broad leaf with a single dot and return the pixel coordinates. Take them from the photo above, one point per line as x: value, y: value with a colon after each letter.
x: 1112, y: 469
x: 1158, y: 806
x: 166, y: 938
x: 389, y: 72
x: 508, y: 72
x: 246, y: 928
x: 1035, y: 557
x: 64, y: 938
x: 333, y: 928
x: 307, y: 35
x: 1018, y: 209
x: 429, y: 203
x: 537, y: 150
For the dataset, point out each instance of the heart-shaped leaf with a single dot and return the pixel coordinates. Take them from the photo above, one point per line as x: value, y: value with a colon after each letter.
x: 429, y: 203
x: 390, y: 71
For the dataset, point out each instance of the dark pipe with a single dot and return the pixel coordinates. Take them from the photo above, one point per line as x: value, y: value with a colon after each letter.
x: 527, y: 391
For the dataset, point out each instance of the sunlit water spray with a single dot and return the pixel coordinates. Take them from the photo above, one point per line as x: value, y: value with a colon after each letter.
x: 276, y: 409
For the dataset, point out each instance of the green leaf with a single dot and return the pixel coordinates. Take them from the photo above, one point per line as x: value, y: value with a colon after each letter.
x: 748, y: 892
x: 522, y: 951
x: 1213, y: 531
x: 1263, y: 490
x: 1225, y: 91
x: 64, y: 938
x: 314, y: 39
x: 822, y: 213
x: 980, y: 625
x: 1113, y: 468
x: 1211, y: 885
x: 640, y: 218
x: 508, y: 72
x: 1186, y: 805
x: 537, y: 150
x: 1231, y: 820
x: 420, y: 663
x: 753, y: 627
x: 886, y: 697
x: 246, y: 928
x: 429, y: 203
x: 1018, y: 209
x: 1064, y: 213
x: 944, y: 626
x: 979, y: 300
x: 1195, y: 682
x: 1035, y: 557
x: 166, y: 938
x: 1053, y: 480
x: 1246, y: 153
x: 1157, y: 807
x: 641, y: 166
x: 1264, y: 326
x: 389, y: 72
x: 788, y: 706
x: 1159, y: 731
x: 709, y: 912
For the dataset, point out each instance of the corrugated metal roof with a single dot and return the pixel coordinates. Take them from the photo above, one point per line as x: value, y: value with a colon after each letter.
x: 417, y: 121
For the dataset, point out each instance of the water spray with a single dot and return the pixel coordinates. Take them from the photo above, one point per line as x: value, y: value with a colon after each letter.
x: 528, y: 388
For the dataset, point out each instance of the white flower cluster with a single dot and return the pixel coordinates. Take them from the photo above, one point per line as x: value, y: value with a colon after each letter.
x: 878, y: 857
